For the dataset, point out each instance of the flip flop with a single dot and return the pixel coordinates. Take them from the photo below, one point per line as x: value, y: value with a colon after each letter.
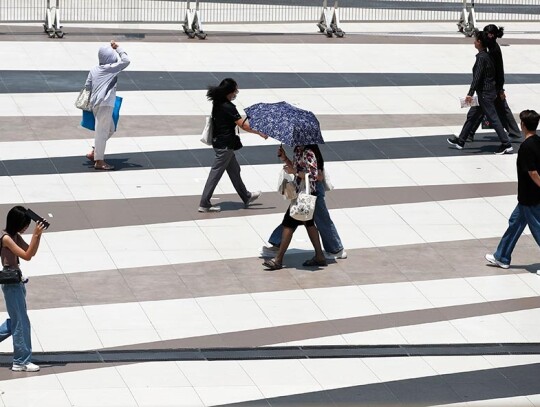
x: 313, y: 262
x: 90, y: 156
x: 271, y: 264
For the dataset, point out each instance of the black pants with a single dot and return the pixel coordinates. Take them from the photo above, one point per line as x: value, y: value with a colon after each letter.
x: 486, y: 99
x: 506, y: 117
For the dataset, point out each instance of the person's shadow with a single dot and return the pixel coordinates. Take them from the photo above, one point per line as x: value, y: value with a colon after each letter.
x: 118, y: 163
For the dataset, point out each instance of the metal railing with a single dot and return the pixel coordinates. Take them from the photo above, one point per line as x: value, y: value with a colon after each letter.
x: 238, y: 11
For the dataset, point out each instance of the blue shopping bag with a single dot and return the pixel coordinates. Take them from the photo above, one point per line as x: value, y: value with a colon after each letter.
x: 89, y: 121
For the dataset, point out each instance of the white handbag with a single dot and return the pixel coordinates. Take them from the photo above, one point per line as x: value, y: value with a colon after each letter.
x: 83, y: 100
x: 208, y: 132
x: 303, y: 207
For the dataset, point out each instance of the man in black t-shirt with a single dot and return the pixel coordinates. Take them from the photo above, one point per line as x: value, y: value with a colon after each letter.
x: 527, y: 211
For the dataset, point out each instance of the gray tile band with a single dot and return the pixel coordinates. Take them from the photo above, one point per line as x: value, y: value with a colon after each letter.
x: 26, y: 128
x: 22, y: 81
x: 349, y: 150
x: 215, y: 35
x: 129, y: 212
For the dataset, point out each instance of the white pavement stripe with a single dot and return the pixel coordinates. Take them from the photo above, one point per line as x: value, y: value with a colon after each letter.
x: 334, y: 101
x: 259, y: 57
x: 122, y: 324
x: 204, y: 383
x: 150, y: 183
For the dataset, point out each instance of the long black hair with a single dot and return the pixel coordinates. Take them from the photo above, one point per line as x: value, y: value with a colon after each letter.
x: 218, y: 94
x: 318, y: 155
x: 17, y: 220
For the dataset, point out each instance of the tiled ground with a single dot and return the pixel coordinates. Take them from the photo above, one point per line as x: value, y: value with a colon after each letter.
x: 129, y: 264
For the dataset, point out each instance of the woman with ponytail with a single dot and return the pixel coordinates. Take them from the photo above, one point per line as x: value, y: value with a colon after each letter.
x: 503, y: 110
x: 484, y: 84
x: 225, y: 142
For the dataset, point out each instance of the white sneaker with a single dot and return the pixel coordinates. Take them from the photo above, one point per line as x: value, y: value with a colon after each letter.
x: 254, y: 196
x: 204, y: 209
x: 269, y: 251
x: 491, y: 258
x: 342, y: 254
x: 29, y: 367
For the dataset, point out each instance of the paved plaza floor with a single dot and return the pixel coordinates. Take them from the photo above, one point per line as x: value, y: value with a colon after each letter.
x: 138, y: 300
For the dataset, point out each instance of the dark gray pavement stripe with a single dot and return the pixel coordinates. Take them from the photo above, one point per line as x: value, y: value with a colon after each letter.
x: 313, y: 330
x: 141, y: 211
x: 407, y: 263
x: 30, y: 128
x: 352, y: 150
x: 466, y: 387
x: 277, y: 352
x: 44, y: 81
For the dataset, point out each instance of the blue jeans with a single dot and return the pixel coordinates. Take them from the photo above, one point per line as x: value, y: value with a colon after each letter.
x: 329, y: 235
x: 522, y: 216
x: 18, y: 323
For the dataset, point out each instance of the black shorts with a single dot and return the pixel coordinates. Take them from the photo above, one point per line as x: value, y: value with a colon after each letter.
x: 290, y: 222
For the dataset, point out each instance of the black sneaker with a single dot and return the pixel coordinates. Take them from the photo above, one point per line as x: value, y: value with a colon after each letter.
x: 455, y: 142
x: 504, y: 149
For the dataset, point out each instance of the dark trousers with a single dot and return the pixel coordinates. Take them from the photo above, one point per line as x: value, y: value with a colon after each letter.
x: 506, y: 117
x: 225, y: 161
x: 486, y: 99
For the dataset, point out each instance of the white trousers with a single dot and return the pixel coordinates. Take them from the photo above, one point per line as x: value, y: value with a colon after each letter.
x: 104, y: 130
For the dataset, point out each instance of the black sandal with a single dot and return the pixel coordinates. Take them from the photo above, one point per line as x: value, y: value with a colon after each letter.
x: 272, y: 264
x: 313, y: 262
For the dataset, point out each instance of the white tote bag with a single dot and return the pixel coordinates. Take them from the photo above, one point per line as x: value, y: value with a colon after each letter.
x: 83, y: 100
x: 208, y: 132
x: 303, y: 207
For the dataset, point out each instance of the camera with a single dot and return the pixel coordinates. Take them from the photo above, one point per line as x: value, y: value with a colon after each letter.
x: 36, y: 218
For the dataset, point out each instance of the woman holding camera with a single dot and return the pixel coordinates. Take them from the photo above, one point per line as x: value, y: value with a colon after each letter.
x: 17, y: 325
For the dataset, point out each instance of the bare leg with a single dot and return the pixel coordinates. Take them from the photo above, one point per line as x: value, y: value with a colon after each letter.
x: 313, y: 234
x: 286, y: 237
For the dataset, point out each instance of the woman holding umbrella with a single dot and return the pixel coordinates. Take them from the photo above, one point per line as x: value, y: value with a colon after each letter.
x: 225, y: 142
x: 305, y: 166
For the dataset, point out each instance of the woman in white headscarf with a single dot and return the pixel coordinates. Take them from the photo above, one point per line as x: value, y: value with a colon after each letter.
x: 101, y: 82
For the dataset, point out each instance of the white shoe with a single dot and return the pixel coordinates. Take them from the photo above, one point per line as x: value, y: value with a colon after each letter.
x: 204, y: 209
x: 342, y: 254
x: 29, y: 367
x: 269, y: 251
x: 491, y: 258
x: 254, y: 196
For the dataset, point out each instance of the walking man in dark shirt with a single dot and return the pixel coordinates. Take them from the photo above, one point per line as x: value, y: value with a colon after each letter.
x: 484, y: 85
x: 527, y: 212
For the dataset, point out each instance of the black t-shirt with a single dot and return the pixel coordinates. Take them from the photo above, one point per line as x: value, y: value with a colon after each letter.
x: 528, y: 160
x: 225, y: 115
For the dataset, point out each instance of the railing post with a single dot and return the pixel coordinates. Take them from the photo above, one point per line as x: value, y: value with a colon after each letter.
x: 467, y: 22
x: 329, y: 21
x: 192, y: 23
x: 52, y: 26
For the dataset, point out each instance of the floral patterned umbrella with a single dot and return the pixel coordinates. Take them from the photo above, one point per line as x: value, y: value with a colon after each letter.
x: 286, y: 123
